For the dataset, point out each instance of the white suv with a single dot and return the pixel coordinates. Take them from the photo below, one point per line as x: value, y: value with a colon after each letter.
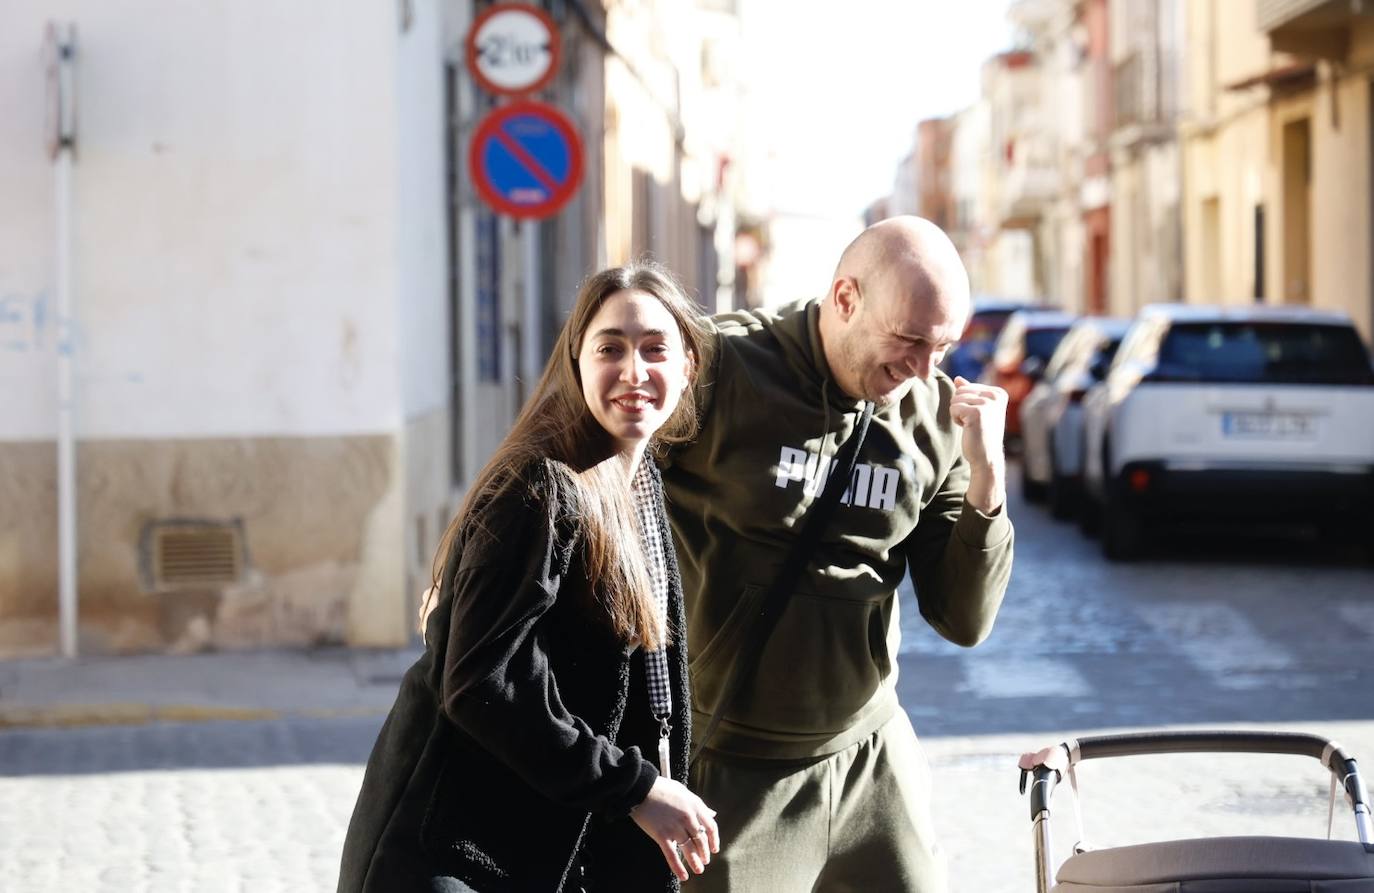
x: 1242, y: 412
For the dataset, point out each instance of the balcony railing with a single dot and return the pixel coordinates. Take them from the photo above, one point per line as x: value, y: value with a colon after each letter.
x: 1098, y: 99
x: 1271, y: 14
x: 1027, y: 190
x: 1129, y: 92
x: 1310, y: 28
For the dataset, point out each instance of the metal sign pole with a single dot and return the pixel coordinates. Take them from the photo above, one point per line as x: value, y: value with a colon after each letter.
x: 531, y: 347
x: 66, y: 441
x: 62, y: 141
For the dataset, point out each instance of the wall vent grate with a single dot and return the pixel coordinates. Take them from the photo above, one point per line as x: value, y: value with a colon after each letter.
x: 184, y: 555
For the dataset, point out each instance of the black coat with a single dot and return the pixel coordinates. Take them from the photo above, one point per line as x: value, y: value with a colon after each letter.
x: 522, y: 737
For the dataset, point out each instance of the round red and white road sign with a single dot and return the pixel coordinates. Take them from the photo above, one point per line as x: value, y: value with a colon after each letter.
x: 512, y: 49
x: 526, y: 160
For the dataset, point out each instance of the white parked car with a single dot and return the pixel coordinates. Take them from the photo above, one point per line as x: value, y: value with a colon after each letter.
x: 1249, y: 413
x: 1052, y: 413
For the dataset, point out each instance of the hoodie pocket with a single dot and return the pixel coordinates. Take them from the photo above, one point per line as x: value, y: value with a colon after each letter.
x: 823, y: 665
x: 716, y: 657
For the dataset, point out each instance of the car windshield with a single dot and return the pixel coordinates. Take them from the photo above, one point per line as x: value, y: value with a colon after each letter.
x: 1042, y: 342
x: 1281, y: 353
x: 985, y: 325
x: 1107, y: 352
x: 1102, y: 357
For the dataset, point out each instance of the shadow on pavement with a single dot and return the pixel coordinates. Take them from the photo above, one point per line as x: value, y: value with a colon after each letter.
x: 1282, y: 545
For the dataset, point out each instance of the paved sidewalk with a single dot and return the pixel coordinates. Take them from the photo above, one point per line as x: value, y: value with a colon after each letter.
x: 201, y: 687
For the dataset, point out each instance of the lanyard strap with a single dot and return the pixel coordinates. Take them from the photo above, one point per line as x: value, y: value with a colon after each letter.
x: 647, y: 500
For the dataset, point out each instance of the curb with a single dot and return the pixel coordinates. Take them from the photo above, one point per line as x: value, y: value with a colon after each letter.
x: 130, y: 714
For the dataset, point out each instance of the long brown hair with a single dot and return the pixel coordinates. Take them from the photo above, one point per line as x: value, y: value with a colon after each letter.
x: 556, y: 424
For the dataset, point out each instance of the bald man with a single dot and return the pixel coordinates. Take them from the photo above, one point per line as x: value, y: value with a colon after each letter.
x: 815, y: 772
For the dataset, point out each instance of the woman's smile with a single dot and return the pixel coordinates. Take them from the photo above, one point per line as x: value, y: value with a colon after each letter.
x: 632, y: 403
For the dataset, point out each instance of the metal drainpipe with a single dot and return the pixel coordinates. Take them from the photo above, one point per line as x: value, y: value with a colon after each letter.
x: 62, y: 134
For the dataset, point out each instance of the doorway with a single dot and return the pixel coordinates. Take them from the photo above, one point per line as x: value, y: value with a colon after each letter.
x: 1211, y: 249
x: 1297, y: 212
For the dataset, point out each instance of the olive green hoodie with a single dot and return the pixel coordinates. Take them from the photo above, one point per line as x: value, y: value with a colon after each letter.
x: 772, y: 421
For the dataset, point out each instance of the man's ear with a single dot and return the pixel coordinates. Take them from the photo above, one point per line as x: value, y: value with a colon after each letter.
x: 845, y: 293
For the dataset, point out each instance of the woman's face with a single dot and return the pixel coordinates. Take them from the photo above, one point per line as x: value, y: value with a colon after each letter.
x: 634, y: 367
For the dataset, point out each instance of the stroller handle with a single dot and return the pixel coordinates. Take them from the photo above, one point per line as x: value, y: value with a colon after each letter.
x: 1139, y: 743
x: 1341, y: 765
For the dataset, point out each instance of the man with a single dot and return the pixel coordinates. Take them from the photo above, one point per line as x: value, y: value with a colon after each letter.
x: 816, y: 773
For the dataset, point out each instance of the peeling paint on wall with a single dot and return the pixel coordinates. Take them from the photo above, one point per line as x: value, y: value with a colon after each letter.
x: 321, y: 521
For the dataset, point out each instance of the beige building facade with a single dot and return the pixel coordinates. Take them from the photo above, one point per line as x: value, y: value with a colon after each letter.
x: 1020, y: 179
x: 1279, y: 198
x: 1319, y: 138
x: 1054, y: 30
x: 1146, y: 167
x: 670, y: 110
x: 1228, y: 174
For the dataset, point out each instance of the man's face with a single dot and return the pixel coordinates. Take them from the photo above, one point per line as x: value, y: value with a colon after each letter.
x: 894, y: 337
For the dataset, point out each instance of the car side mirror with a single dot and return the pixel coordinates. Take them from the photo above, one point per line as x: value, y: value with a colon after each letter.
x: 1033, y: 368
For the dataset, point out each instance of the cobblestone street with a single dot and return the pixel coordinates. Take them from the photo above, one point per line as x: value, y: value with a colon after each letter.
x: 180, y: 807
x: 1196, y: 636
x: 262, y: 806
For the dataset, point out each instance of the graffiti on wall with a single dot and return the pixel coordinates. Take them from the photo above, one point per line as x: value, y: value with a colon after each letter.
x: 26, y: 323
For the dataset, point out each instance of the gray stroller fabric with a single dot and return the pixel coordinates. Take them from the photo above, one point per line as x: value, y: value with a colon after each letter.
x: 1222, y: 865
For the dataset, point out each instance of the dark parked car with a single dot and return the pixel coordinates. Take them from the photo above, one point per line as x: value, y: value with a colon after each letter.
x: 1022, y: 352
x: 974, y: 349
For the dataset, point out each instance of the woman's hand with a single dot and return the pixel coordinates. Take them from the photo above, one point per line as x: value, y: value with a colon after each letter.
x: 681, y: 824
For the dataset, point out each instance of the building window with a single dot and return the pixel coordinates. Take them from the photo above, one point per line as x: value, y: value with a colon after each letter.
x: 488, y: 298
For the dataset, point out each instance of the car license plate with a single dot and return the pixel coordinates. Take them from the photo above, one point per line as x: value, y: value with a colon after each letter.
x: 1268, y: 425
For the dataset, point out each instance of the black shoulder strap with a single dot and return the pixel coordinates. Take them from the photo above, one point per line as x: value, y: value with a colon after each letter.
x: 761, y: 625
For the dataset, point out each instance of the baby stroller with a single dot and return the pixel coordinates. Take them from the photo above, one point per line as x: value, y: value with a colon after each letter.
x: 1213, y: 864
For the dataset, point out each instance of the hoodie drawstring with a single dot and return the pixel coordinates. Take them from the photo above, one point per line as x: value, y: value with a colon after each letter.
x: 825, y: 414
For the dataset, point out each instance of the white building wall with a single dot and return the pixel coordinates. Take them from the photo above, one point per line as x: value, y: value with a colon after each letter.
x: 234, y: 217
x: 969, y: 163
x: 1014, y: 264
x: 1066, y: 104
x: 259, y: 275
x: 421, y: 230
x: 906, y: 184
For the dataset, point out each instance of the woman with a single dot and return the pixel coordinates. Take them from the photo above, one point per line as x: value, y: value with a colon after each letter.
x: 541, y: 741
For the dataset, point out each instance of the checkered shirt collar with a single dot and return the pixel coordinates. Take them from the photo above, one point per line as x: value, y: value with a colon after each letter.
x: 648, y: 501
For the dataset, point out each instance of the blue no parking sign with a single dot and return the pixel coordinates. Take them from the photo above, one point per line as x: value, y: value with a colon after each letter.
x: 526, y: 160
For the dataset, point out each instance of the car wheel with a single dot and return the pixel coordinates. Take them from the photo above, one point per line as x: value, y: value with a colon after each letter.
x: 1124, y: 536
x: 1348, y: 535
x: 1061, y: 498
x: 1089, y: 506
x: 1031, y: 490
x: 1089, y: 517
x: 1063, y: 495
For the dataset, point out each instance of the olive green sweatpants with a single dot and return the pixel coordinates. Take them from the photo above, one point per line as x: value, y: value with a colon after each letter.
x: 858, y: 820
